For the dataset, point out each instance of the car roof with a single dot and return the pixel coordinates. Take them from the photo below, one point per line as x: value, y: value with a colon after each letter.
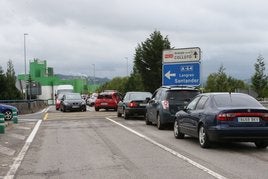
x: 220, y: 93
x: 179, y: 88
x: 139, y: 92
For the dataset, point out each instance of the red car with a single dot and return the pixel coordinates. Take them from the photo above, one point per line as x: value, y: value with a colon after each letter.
x: 107, y: 100
x: 57, y: 101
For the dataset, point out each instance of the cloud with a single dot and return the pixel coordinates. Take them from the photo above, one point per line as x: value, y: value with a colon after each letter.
x: 73, y: 35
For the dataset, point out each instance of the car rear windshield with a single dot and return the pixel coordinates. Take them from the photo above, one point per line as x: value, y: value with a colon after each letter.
x: 235, y: 100
x: 139, y: 96
x: 181, y: 95
x: 105, y: 96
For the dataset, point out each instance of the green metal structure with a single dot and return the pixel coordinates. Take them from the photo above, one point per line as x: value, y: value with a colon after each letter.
x: 39, y: 72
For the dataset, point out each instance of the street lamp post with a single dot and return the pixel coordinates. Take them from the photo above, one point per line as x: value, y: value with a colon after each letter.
x: 93, y: 74
x: 24, y: 35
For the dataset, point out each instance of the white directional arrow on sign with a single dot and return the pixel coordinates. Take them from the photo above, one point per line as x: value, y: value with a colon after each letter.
x: 168, y: 74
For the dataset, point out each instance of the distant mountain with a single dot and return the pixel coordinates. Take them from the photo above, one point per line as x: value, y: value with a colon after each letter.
x: 91, y: 80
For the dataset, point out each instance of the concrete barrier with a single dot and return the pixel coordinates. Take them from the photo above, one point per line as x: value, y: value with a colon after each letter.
x: 27, y: 106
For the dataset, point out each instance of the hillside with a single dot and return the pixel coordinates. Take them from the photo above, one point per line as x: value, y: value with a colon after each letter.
x: 97, y: 81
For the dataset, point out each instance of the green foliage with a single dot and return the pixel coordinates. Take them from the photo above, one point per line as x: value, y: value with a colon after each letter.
x: 134, y: 83
x: 117, y: 83
x: 220, y: 82
x: 8, y: 88
x: 148, y: 60
x: 259, y: 79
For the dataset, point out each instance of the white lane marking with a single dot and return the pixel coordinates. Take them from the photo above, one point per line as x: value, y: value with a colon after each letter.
x: 7, y: 151
x: 12, y: 171
x: 22, y: 127
x: 18, y: 136
x: 46, y: 110
x: 188, y: 160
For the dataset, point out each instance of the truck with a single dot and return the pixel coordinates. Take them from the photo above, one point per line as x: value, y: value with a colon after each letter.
x: 64, y: 89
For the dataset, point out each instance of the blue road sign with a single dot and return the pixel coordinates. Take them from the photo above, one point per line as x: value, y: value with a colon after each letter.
x: 181, y: 74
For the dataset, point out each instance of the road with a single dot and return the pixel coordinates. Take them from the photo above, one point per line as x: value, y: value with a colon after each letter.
x: 100, y: 145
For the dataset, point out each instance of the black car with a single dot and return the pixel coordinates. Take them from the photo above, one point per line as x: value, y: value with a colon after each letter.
x: 223, y: 117
x: 133, y: 104
x: 165, y: 102
x: 72, y: 102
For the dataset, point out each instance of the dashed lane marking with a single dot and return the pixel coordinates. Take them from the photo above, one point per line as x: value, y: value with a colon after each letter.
x: 7, y: 151
x: 46, y: 116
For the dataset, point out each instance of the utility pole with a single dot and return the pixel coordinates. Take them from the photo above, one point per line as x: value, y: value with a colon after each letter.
x: 24, y: 35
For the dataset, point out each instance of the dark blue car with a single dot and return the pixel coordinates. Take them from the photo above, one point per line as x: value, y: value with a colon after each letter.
x: 223, y: 117
x: 8, y: 111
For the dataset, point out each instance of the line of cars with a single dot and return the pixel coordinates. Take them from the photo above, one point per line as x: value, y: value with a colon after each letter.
x: 210, y: 117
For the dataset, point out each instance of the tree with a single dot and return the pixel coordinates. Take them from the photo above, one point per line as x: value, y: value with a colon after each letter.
x: 3, y: 84
x: 259, y: 79
x: 220, y: 82
x: 9, y: 83
x: 217, y: 82
x: 117, y: 83
x: 148, y: 60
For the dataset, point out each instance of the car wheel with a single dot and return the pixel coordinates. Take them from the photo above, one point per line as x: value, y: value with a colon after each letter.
x: 203, y: 138
x: 147, y: 122
x: 84, y: 109
x: 8, y: 115
x: 119, y: 114
x: 97, y: 109
x: 125, y: 115
x: 159, y: 123
x: 177, y: 133
x: 261, y: 144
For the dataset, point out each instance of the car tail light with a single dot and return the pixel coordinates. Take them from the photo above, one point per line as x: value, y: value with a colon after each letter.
x: 265, y: 116
x: 165, y: 104
x: 226, y: 116
x: 231, y: 116
x: 132, y: 104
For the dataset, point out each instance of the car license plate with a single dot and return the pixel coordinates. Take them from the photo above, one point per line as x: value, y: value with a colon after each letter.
x: 75, y: 106
x: 142, y: 104
x: 248, y: 119
x: 104, y: 104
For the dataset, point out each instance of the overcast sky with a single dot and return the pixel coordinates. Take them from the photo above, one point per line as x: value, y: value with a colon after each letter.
x: 72, y: 35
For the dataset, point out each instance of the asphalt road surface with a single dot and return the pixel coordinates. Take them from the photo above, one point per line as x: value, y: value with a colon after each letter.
x: 100, y: 145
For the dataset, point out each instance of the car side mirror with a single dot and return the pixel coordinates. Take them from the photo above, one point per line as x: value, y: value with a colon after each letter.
x: 147, y: 99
